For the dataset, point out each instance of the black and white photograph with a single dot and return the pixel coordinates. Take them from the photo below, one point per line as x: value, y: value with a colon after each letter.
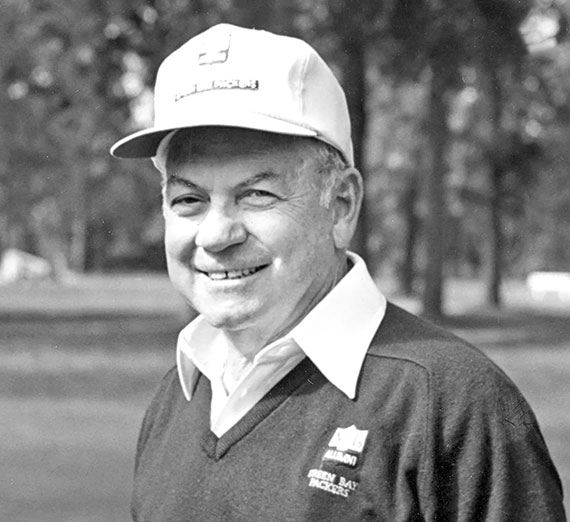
x: 284, y: 260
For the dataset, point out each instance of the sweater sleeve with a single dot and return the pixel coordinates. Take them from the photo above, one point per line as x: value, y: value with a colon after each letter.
x: 487, y: 459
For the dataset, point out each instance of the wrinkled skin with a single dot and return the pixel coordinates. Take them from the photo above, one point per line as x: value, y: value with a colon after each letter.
x: 248, y: 242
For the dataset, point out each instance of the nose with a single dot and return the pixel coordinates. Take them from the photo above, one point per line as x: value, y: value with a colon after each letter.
x: 219, y: 230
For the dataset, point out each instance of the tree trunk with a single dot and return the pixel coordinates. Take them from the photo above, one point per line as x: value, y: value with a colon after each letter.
x: 355, y: 87
x: 494, y: 254
x: 77, y: 207
x: 46, y: 224
x: 407, y: 271
x: 494, y: 272
x: 437, y: 138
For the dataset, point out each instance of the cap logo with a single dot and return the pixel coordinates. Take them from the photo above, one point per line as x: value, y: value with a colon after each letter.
x: 221, y: 84
x: 217, y: 54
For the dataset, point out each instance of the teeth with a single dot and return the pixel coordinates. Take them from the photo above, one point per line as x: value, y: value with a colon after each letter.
x: 217, y: 276
x: 232, y: 274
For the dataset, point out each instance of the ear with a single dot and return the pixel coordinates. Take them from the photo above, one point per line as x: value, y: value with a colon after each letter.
x: 345, y: 203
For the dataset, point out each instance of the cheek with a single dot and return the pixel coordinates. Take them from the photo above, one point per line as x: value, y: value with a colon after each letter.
x: 303, y: 251
x: 178, y: 237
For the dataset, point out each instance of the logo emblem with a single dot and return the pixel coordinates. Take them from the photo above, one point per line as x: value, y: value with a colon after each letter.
x: 345, y: 445
x: 216, y: 52
x: 344, y: 449
x: 349, y: 439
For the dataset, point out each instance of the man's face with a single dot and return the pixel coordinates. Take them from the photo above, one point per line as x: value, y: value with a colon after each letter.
x: 248, y: 243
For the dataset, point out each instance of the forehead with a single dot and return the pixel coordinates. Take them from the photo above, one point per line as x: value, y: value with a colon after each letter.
x: 191, y: 146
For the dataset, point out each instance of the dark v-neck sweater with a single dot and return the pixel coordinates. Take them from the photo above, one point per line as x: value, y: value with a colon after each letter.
x: 436, y: 433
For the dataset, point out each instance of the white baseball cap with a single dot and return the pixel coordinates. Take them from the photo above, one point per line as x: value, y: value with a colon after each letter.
x: 236, y: 77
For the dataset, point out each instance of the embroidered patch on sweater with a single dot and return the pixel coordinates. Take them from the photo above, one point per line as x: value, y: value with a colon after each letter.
x: 344, y: 448
x: 345, y: 445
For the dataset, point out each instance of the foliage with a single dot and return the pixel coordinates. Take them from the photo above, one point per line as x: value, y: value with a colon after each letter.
x: 63, y: 103
x: 460, y: 132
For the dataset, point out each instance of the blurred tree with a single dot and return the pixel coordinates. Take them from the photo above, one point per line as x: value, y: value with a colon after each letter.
x: 440, y: 40
x: 546, y: 96
x: 502, y: 71
x: 48, y: 86
x: 31, y: 167
x: 75, y: 76
x: 504, y: 130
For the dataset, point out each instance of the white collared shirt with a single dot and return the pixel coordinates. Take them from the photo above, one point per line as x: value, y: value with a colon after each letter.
x: 335, y: 335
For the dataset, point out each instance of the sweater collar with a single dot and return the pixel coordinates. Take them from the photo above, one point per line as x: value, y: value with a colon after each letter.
x: 335, y: 334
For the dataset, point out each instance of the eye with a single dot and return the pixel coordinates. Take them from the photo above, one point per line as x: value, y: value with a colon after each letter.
x: 188, y: 203
x: 258, y: 198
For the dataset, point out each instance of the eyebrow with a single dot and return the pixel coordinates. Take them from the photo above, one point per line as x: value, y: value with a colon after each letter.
x: 173, y: 179
x: 266, y: 175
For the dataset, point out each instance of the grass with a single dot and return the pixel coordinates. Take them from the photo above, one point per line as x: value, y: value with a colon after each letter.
x: 79, y: 363
x: 67, y: 459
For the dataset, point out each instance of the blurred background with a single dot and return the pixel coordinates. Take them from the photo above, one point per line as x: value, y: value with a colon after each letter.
x: 461, y: 112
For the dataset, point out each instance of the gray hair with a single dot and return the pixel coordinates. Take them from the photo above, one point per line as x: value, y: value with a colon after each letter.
x: 330, y: 165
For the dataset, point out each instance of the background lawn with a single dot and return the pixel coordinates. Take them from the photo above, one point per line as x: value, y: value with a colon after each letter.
x: 79, y: 363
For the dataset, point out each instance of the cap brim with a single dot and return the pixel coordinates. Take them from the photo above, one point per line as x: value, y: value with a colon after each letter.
x: 141, y: 144
x: 144, y: 143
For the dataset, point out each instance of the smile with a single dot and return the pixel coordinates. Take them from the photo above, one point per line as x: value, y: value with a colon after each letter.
x: 231, y: 274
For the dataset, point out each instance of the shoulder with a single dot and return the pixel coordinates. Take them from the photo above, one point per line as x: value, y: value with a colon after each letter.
x: 410, y: 340
x: 463, y: 389
x: 167, y: 392
x: 476, y: 426
x: 166, y: 396
x: 453, y: 374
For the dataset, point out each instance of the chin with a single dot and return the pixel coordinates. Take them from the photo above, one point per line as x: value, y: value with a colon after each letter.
x: 228, y: 319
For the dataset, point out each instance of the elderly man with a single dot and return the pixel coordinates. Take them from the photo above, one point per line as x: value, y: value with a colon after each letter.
x: 299, y: 393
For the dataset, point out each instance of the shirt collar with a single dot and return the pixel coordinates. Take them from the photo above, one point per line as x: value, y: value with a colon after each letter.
x: 335, y: 334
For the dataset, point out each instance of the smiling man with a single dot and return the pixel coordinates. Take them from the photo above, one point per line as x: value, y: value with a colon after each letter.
x: 299, y: 393
x: 248, y: 241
